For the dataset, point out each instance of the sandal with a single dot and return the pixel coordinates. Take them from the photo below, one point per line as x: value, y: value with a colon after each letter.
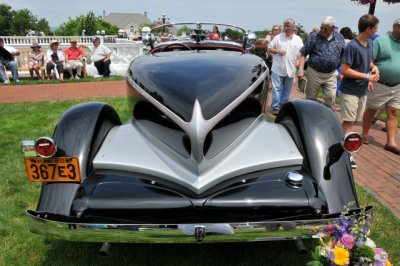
x: 395, y: 150
x: 365, y: 140
x: 374, y: 120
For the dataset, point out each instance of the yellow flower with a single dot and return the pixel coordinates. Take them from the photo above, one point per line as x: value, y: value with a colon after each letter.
x: 388, y: 263
x: 340, y: 256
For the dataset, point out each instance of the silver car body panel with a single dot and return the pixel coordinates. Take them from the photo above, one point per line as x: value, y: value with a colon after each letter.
x: 263, y: 145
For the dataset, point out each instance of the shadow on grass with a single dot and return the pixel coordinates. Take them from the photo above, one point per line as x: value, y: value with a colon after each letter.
x: 255, y: 253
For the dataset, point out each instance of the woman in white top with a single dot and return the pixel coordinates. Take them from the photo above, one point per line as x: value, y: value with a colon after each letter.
x: 55, y: 60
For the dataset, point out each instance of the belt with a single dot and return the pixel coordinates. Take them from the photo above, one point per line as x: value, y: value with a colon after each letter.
x: 388, y: 84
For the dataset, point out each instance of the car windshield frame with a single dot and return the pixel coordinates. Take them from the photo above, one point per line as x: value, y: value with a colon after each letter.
x: 200, y: 26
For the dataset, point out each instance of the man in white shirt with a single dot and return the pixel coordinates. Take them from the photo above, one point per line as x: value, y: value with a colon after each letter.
x: 101, y: 57
x: 7, y: 54
x: 286, y: 50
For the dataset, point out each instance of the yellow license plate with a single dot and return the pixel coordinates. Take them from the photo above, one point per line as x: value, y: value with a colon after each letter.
x: 57, y: 169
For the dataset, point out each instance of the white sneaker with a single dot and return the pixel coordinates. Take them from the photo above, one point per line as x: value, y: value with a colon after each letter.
x: 71, y: 77
x: 77, y: 77
x: 6, y: 82
x: 353, y: 163
x: 17, y: 81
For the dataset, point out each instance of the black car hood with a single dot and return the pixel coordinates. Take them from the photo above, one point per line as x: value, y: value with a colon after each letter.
x: 177, y: 79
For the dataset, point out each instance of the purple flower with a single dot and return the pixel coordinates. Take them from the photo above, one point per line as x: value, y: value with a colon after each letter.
x: 380, y: 257
x: 365, y: 230
x: 347, y: 241
x: 360, y: 242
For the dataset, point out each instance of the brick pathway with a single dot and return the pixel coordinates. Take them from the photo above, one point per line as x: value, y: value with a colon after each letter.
x: 378, y: 170
x: 61, y: 91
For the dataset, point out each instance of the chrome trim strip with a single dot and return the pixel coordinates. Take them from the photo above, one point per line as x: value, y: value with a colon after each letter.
x: 179, y: 233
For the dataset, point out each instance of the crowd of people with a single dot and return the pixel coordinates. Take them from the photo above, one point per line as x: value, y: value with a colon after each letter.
x: 55, y: 60
x: 364, y: 70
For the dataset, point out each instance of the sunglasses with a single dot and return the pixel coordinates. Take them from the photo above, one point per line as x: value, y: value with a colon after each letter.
x: 324, y: 28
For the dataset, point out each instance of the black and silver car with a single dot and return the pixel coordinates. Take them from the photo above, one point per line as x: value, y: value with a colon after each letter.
x: 199, y: 160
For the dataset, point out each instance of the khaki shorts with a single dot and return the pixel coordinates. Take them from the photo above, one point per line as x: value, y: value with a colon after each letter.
x: 383, y: 95
x: 352, y: 107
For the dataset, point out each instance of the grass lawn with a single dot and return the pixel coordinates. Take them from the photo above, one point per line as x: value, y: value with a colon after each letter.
x: 29, y: 81
x: 19, y: 246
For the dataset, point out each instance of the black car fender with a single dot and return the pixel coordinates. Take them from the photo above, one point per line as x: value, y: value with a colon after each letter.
x: 79, y: 133
x: 316, y: 129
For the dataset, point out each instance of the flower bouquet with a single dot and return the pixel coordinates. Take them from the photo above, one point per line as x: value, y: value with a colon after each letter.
x: 347, y: 243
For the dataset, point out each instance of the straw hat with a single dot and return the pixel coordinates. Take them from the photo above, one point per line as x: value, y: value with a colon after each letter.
x: 73, y: 39
x: 54, y: 42
x: 35, y: 44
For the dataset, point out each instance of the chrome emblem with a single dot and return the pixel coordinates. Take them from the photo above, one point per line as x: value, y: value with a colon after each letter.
x: 199, y: 233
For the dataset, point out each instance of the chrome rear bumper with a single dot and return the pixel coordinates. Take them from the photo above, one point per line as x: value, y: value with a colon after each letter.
x: 182, y: 233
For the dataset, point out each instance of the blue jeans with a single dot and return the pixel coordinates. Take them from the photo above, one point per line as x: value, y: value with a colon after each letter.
x: 12, y: 65
x: 281, y: 89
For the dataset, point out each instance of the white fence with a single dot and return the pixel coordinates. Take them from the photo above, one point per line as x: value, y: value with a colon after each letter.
x: 44, y: 40
x: 123, y: 51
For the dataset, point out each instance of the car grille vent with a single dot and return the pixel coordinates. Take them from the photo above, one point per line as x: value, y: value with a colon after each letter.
x: 186, y: 143
x: 145, y: 110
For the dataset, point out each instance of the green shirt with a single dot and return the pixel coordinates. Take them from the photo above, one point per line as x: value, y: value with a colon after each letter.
x: 387, y: 58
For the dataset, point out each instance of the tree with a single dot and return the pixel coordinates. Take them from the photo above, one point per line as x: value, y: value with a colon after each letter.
x: 261, y: 33
x: 6, y: 15
x: 90, y: 23
x: 232, y: 34
x: 20, y: 22
x: 23, y: 21
x: 185, y: 29
x: 151, y: 26
x: 42, y: 25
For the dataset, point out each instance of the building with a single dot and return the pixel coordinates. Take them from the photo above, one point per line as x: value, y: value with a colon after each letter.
x: 129, y: 22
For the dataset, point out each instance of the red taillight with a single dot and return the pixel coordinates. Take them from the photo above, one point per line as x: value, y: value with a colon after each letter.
x: 352, y: 142
x: 45, y: 147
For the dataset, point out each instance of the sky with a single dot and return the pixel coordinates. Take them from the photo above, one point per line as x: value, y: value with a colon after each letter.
x: 250, y: 15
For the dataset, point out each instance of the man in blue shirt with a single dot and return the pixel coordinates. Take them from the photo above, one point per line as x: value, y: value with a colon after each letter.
x: 324, y: 49
x: 358, y: 71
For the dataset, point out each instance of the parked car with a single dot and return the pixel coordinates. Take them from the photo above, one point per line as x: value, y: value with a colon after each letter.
x: 199, y: 160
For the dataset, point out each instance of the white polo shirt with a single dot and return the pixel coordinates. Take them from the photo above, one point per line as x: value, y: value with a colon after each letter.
x: 99, y: 53
x: 285, y: 65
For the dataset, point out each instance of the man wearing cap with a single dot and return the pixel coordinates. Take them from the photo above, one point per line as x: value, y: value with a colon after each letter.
x: 387, y: 91
x: 55, y: 59
x: 101, y: 57
x: 73, y: 57
x: 324, y: 49
x: 7, y: 54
